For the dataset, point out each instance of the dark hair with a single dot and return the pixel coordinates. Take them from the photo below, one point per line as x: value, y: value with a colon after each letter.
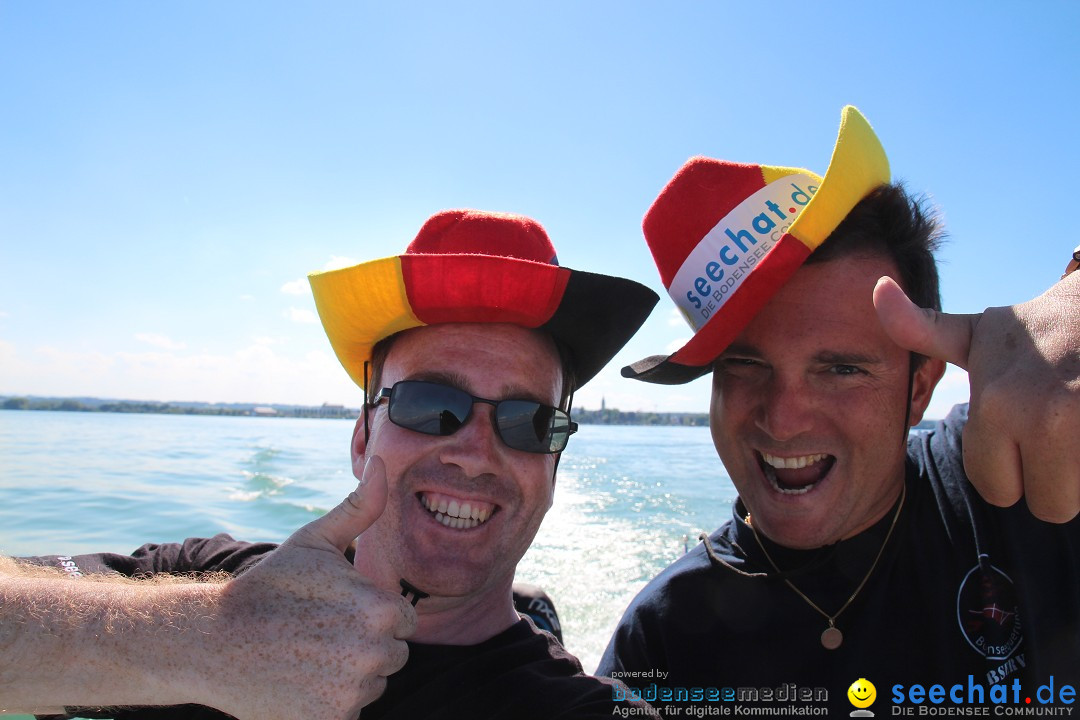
x: 891, y: 223
x: 381, y: 351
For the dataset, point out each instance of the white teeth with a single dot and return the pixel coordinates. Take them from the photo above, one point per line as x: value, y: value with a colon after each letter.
x: 771, y: 475
x: 456, y: 522
x: 773, y: 463
x: 792, y: 463
x: 456, y: 515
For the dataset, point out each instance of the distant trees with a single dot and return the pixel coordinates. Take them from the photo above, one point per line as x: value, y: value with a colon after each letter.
x: 608, y: 416
x: 159, y: 408
x: 604, y: 416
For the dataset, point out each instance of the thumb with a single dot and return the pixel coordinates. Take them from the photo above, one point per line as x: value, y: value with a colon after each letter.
x: 357, y: 512
x: 922, y: 330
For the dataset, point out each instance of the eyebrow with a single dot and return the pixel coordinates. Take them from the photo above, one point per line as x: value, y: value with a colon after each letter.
x: 832, y: 357
x: 736, y: 349
x: 824, y: 357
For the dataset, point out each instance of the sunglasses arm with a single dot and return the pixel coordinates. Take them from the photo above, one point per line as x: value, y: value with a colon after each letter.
x: 407, y: 589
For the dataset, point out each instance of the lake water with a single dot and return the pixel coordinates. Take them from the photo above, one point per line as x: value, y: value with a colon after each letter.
x: 91, y: 482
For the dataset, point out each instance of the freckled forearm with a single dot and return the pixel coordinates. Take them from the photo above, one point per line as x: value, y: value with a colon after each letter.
x: 112, y: 642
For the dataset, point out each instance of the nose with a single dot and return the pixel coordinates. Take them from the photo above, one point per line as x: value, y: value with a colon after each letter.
x: 476, y: 447
x: 785, y: 407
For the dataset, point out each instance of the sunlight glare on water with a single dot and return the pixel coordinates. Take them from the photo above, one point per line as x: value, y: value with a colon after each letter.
x: 74, y: 483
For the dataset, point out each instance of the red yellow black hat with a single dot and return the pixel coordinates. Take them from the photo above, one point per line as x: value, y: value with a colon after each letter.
x: 468, y: 266
x: 726, y: 236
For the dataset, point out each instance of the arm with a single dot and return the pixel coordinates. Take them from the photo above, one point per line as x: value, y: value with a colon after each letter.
x: 1024, y: 367
x: 302, y: 634
x: 105, y: 640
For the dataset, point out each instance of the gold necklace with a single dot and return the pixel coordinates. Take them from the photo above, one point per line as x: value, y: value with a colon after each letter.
x: 831, y: 637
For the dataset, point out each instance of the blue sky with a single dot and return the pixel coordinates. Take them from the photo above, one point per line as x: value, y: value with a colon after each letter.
x: 170, y: 171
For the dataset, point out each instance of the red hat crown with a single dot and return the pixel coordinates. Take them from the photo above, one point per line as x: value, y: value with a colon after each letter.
x: 700, y: 195
x: 726, y: 236
x: 472, y: 266
x: 471, y: 232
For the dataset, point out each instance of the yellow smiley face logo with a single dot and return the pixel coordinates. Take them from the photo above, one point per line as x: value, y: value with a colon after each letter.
x: 862, y: 693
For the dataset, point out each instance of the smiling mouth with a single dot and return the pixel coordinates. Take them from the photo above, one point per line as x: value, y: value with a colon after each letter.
x: 795, y: 475
x: 456, y: 513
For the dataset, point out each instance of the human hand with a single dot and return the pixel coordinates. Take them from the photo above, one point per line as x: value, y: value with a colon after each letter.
x: 1023, y: 365
x: 303, y: 633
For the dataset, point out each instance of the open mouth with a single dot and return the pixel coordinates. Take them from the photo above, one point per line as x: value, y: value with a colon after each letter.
x: 795, y: 475
x: 457, y: 513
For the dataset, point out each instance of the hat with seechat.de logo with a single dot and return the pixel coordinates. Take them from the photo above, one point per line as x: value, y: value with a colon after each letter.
x: 470, y: 266
x: 726, y: 236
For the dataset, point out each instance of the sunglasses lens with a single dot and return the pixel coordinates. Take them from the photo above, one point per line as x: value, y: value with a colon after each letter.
x: 532, y: 427
x: 436, y: 409
x: 429, y: 408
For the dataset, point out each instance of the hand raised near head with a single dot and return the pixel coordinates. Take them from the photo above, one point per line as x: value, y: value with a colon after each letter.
x: 303, y: 633
x: 1023, y: 363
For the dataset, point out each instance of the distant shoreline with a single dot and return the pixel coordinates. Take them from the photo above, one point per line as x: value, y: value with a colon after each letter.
x: 604, y: 416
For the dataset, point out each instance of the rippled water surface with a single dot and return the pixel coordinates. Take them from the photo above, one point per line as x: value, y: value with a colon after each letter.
x: 90, y: 482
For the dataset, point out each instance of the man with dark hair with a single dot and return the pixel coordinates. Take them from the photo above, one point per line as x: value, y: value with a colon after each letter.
x: 856, y: 552
x: 469, y: 346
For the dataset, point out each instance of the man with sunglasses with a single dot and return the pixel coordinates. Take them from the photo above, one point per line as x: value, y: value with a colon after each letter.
x: 469, y: 347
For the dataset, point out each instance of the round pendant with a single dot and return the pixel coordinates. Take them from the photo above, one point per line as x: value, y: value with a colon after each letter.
x: 832, y: 638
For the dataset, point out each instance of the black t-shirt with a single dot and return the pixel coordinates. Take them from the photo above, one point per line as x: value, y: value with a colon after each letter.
x: 521, y: 673
x: 964, y: 594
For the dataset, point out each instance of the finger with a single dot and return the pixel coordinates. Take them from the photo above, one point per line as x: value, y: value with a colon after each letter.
x: 1052, y: 490
x: 922, y: 330
x: 1051, y: 473
x: 406, y: 624
x: 354, y: 514
x: 396, y: 657
x: 370, y: 690
x: 992, y: 460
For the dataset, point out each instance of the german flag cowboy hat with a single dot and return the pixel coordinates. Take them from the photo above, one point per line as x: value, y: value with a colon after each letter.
x: 468, y: 266
x: 726, y: 236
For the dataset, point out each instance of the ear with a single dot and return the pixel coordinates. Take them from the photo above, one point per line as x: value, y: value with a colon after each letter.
x: 922, y: 387
x: 358, y: 446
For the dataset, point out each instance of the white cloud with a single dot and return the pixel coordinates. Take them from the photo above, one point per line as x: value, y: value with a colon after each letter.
x: 300, y: 286
x: 255, y: 373
x: 676, y: 318
x: 339, y: 261
x: 299, y: 315
x: 675, y: 345
x: 295, y: 287
x: 160, y: 341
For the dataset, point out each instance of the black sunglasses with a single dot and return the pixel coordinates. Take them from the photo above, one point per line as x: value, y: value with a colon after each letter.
x: 436, y: 409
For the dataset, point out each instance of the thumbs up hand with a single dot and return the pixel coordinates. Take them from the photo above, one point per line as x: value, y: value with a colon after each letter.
x: 1023, y: 363
x: 303, y: 633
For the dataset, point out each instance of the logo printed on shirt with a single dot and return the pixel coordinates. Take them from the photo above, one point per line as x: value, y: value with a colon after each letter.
x: 987, y: 611
x: 65, y: 563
